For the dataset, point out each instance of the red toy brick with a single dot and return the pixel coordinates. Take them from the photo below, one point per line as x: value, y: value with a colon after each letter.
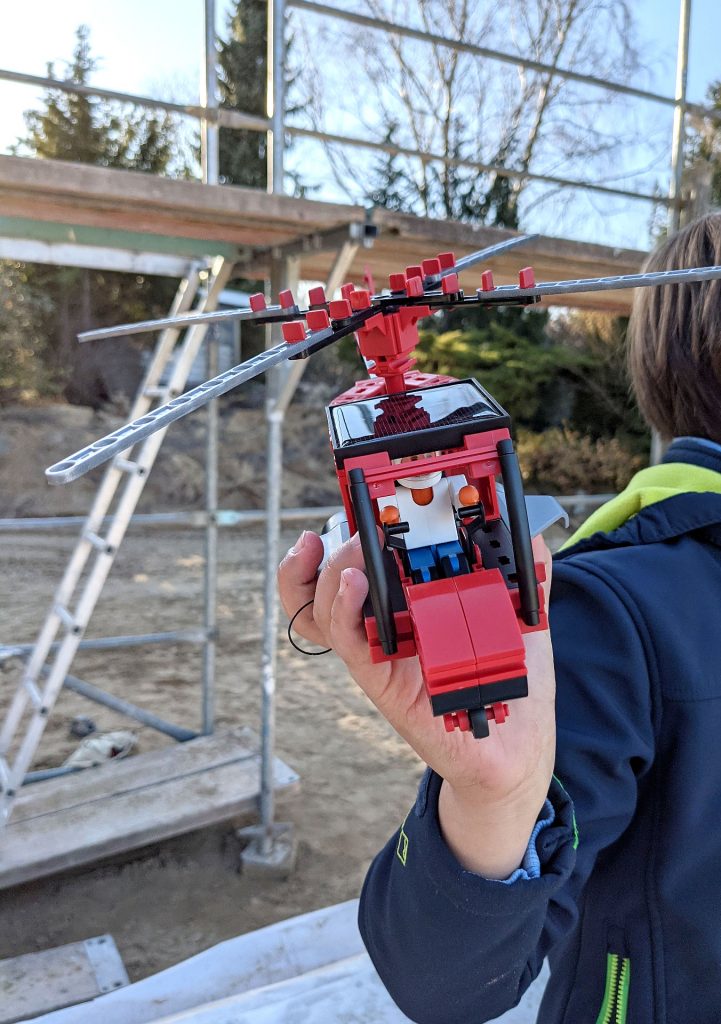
x: 257, y: 302
x: 317, y: 319
x: 347, y: 289
x: 450, y: 285
x: 286, y: 300
x: 414, y: 286
x: 526, y: 278
x: 293, y: 331
x: 445, y: 646
x: 397, y: 282
x: 414, y: 272
x: 360, y: 299
x: 431, y: 268
x: 340, y: 309
x: 316, y: 296
x: 487, y: 284
x: 446, y: 260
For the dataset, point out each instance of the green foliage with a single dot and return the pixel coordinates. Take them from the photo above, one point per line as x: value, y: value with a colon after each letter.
x: 603, y: 403
x: 564, y: 461
x: 23, y: 309
x: 448, y: 193
x: 705, y: 144
x: 242, y: 63
x: 563, y: 381
x: 44, y: 307
x: 75, y: 127
x: 516, y: 369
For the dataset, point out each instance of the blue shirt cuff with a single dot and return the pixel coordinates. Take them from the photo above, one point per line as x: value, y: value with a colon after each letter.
x: 531, y: 864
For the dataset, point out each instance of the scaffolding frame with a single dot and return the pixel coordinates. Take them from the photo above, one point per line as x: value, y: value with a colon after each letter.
x: 284, y: 271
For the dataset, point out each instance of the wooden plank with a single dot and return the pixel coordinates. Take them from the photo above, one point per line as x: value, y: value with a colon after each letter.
x: 177, y: 760
x: 116, y: 190
x: 145, y: 206
x: 154, y: 796
x: 37, y: 983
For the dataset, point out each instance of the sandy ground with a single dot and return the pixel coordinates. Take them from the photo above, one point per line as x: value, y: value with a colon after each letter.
x: 169, y: 902
x: 358, y: 779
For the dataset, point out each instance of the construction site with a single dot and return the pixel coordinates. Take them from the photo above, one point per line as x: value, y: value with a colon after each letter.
x: 188, y: 804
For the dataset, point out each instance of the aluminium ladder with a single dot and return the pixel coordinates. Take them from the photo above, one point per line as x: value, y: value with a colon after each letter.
x: 73, y: 604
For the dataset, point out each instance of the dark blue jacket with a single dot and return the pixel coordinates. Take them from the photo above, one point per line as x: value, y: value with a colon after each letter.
x: 636, y: 628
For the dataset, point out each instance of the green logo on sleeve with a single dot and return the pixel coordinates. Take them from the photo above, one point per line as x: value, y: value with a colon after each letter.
x: 402, y: 847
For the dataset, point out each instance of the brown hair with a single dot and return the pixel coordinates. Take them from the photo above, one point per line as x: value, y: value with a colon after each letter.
x: 674, y: 336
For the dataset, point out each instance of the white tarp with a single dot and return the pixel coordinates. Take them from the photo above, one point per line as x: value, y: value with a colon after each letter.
x: 311, y: 969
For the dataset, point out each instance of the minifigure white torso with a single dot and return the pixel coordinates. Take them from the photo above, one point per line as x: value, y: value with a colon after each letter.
x: 434, y: 523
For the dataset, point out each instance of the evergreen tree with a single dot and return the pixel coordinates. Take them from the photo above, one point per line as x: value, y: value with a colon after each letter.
x: 242, y: 71
x: 242, y: 63
x: 75, y: 127
x: 80, y: 128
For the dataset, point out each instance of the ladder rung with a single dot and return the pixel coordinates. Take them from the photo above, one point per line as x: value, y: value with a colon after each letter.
x: 127, y: 466
x: 34, y: 693
x: 99, y: 542
x: 4, y: 775
x: 155, y: 391
x: 67, y: 618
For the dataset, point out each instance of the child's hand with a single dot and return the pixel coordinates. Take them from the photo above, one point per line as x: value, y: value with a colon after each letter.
x: 495, y: 786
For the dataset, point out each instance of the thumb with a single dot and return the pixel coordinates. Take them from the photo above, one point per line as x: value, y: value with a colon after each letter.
x: 541, y: 553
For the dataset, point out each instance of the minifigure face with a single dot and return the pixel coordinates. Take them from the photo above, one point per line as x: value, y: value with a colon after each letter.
x: 422, y: 480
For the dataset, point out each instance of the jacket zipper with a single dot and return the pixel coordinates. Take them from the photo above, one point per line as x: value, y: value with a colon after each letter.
x: 615, y: 998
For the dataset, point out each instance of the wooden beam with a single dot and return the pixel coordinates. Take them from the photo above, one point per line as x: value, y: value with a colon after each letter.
x: 164, y: 212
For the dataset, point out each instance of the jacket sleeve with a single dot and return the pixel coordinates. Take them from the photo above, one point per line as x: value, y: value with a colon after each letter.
x: 454, y: 948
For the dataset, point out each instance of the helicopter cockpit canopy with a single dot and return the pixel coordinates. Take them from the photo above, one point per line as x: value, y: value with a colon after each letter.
x: 414, y: 422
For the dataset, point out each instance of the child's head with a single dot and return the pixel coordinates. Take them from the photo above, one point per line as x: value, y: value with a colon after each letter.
x: 675, y: 338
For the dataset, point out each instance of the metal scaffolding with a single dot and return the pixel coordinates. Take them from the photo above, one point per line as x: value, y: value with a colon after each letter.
x: 284, y: 269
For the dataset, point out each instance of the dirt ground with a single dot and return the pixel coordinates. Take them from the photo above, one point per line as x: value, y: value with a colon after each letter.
x: 358, y: 779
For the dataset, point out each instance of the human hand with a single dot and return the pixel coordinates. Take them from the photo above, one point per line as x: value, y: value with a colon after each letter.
x: 494, y: 786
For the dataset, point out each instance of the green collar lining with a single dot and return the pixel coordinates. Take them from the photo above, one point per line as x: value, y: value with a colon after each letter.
x: 648, y: 486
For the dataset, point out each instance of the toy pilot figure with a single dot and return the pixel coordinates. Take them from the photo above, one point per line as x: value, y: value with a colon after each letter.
x: 426, y: 503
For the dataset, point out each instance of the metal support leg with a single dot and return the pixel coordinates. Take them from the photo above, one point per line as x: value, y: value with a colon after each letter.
x: 270, y: 628
x: 210, y: 582
x: 271, y: 845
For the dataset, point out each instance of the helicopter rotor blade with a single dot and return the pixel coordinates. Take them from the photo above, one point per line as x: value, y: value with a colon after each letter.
x: 602, y: 284
x: 125, y: 437
x: 485, y: 254
x: 267, y: 315
x: 272, y: 314
x: 482, y: 255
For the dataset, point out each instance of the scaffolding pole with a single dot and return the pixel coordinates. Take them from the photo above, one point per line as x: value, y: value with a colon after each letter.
x: 675, y: 209
x: 210, y: 155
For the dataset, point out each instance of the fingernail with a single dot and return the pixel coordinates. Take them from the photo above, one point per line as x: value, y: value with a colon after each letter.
x: 355, y: 541
x: 345, y: 578
x: 300, y: 543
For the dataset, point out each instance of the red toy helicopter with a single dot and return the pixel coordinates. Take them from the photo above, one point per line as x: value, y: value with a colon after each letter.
x: 417, y: 456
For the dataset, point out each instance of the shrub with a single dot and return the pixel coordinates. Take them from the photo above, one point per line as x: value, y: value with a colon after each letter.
x: 563, y: 461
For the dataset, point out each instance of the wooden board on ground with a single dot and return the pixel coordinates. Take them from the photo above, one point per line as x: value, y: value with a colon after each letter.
x: 122, y: 805
x: 37, y: 983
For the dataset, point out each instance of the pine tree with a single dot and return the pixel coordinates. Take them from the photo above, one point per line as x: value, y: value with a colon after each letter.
x: 242, y: 63
x: 242, y: 74
x: 80, y: 128
x: 75, y: 127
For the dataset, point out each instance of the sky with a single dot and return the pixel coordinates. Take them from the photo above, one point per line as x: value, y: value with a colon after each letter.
x: 154, y: 47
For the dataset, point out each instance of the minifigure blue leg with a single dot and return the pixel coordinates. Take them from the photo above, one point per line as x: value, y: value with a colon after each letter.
x: 451, y: 550
x: 421, y: 561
